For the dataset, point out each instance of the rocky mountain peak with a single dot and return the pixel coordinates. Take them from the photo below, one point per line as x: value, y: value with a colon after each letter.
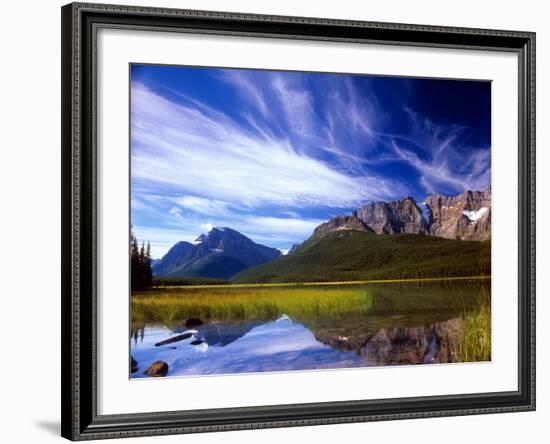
x: 218, y: 253
x: 200, y: 239
x: 466, y: 216
x: 342, y: 223
x: 400, y: 216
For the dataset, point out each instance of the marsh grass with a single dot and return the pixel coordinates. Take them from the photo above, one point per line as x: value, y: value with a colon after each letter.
x: 475, y: 341
x: 303, y: 301
x: 250, y: 303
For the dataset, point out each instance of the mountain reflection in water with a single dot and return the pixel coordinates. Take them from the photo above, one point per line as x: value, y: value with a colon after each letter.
x: 287, y: 345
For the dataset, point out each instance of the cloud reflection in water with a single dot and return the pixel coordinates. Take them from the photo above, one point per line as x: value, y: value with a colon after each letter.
x: 273, y: 346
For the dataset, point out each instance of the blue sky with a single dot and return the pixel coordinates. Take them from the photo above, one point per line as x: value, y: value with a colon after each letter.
x: 273, y: 154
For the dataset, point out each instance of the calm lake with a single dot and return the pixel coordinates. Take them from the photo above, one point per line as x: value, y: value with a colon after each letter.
x: 224, y: 330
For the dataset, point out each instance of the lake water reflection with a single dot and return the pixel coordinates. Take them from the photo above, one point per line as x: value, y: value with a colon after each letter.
x: 406, y: 324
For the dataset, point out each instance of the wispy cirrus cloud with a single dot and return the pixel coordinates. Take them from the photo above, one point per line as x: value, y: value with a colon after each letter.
x: 209, y: 207
x: 438, y: 153
x: 274, y: 154
x: 176, y: 212
x: 249, y: 89
x: 297, y: 104
x: 183, y: 150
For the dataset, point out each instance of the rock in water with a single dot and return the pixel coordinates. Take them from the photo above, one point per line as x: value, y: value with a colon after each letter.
x: 193, y: 323
x: 133, y: 365
x: 197, y: 342
x: 158, y: 368
x: 174, y: 339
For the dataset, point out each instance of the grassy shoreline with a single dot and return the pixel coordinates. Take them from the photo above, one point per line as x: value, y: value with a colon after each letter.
x: 475, y: 342
x: 315, y: 284
x: 266, y: 303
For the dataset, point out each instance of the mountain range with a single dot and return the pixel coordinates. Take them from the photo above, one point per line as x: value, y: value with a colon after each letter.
x: 378, y: 240
x: 463, y: 217
x: 221, y: 253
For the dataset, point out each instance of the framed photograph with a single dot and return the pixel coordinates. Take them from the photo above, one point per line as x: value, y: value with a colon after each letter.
x: 282, y: 221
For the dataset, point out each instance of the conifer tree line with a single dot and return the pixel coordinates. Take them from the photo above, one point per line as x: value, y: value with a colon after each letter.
x: 140, y: 263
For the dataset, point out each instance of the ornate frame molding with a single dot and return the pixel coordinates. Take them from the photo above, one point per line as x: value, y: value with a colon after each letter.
x: 80, y: 22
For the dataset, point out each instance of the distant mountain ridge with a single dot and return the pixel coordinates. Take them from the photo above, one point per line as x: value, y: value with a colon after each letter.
x: 219, y: 254
x: 466, y: 216
x: 225, y: 253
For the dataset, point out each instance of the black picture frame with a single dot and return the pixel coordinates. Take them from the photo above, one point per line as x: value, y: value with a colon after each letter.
x: 80, y: 22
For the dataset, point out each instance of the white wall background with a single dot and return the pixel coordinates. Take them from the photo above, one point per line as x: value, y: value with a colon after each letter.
x: 30, y: 220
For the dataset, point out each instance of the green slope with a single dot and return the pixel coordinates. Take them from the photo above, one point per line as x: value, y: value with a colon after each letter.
x: 213, y: 266
x: 354, y: 255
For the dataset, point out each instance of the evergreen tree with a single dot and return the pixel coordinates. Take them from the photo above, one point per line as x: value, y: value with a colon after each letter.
x: 148, y: 270
x: 140, y: 264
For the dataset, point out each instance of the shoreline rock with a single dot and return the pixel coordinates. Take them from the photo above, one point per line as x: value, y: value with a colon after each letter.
x: 133, y: 365
x: 193, y: 323
x: 157, y: 369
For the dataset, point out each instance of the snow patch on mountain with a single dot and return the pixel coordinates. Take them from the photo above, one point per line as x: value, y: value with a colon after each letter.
x: 474, y: 215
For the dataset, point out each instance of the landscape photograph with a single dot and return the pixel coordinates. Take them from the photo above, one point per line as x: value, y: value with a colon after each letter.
x: 301, y: 221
